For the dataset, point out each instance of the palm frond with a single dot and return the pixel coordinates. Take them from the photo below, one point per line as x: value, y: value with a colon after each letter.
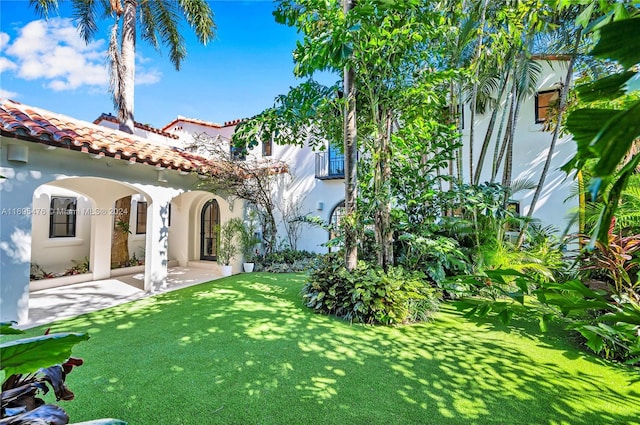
x: 518, y: 185
x: 85, y: 15
x: 527, y: 78
x: 200, y: 16
x: 44, y: 7
x: 166, y: 16
x: 149, y: 30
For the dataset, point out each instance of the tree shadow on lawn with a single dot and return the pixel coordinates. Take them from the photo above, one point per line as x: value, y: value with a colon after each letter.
x: 245, y: 350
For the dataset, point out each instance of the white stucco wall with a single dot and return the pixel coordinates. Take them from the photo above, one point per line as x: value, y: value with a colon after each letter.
x: 530, y: 149
x: 55, y: 255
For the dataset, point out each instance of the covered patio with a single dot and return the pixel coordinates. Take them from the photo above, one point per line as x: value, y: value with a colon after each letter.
x: 49, y: 305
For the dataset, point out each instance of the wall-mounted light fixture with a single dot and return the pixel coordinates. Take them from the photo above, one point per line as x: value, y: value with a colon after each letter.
x: 18, y: 153
x: 162, y: 175
x: 320, y: 206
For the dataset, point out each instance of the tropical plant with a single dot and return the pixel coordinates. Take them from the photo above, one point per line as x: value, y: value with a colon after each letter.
x: 228, y: 244
x: 159, y: 22
x: 79, y: 267
x: 247, y: 238
x: 26, y: 366
x: 616, y: 262
x: 37, y: 272
x: 369, y: 294
x: 437, y: 256
x: 608, y: 134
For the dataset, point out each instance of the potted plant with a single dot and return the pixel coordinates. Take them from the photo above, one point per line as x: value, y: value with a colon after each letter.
x: 248, y: 241
x: 228, y: 246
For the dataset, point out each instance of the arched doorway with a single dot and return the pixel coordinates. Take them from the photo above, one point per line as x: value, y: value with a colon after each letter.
x: 209, y: 230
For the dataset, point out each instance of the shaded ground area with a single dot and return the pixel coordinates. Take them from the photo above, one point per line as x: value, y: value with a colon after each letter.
x: 62, y: 302
x: 244, y: 350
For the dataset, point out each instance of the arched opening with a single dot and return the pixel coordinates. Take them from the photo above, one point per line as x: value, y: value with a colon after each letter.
x: 209, y: 230
x: 335, y: 218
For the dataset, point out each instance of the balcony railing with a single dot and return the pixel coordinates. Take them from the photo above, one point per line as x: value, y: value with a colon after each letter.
x: 329, y: 166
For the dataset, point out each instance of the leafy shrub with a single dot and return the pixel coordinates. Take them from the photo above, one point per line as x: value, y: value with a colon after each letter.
x: 437, y: 256
x: 616, y: 263
x: 286, y: 261
x: 368, y: 294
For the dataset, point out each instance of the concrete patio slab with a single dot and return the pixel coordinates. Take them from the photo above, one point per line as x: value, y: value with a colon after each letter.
x: 49, y: 305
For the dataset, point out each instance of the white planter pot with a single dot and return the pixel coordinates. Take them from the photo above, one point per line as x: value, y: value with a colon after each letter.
x: 225, y: 270
x: 248, y: 267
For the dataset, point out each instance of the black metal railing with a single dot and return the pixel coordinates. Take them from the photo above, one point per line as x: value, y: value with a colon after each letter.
x: 329, y: 166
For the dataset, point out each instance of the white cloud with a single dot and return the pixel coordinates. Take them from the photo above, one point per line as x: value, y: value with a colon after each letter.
x: 147, y: 77
x: 8, y: 94
x: 53, y: 51
x: 4, y: 40
x: 6, y: 65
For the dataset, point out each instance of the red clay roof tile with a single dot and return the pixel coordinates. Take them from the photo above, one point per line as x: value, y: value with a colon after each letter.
x: 114, y: 119
x: 42, y: 126
x: 200, y: 122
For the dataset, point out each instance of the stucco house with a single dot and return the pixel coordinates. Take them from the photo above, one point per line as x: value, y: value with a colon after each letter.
x: 63, y: 176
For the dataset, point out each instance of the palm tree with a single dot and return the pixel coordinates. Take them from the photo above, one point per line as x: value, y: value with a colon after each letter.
x: 158, y: 22
x: 350, y: 159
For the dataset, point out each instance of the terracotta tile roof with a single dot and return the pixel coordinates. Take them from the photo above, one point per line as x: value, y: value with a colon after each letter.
x: 114, y: 119
x: 200, y: 122
x: 37, y: 125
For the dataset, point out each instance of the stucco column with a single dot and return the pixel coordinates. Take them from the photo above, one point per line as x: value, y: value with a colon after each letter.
x: 157, y: 242
x: 101, y: 228
x: 16, y: 197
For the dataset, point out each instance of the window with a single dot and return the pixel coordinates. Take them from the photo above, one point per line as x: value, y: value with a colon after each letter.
x: 335, y: 218
x: 336, y: 161
x: 267, y: 147
x: 141, y: 218
x: 210, y: 231
x: 513, y: 220
x: 544, y: 100
x: 238, y: 153
x: 62, y: 217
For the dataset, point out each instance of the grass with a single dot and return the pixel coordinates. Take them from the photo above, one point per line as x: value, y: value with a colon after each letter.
x: 243, y: 350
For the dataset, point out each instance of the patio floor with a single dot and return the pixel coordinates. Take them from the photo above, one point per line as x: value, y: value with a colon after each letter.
x: 48, y: 305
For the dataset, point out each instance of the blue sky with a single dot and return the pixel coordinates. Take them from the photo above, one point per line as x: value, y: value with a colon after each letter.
x: 45, y: 64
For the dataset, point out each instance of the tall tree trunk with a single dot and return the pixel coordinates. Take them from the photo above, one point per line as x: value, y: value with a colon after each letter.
x: 554, y: 140
x: 474, y: 90
x: 508, y: 162
x: 120, y: 235
x: 350, y: 163
x: 128, y: 57
x: 489, y: 133
x: 382, y: 194
x: 496, y: 151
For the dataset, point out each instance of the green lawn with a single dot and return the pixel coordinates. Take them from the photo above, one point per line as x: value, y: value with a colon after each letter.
x: 243, y: 350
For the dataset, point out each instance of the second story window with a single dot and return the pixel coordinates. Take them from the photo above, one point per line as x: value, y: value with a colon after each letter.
x: 544, y: 100
x: 141, y: 218
x: 62, y: 217
x: 336, y: 161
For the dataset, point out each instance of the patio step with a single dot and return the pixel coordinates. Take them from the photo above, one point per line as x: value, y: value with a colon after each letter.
x: 206, y: 265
